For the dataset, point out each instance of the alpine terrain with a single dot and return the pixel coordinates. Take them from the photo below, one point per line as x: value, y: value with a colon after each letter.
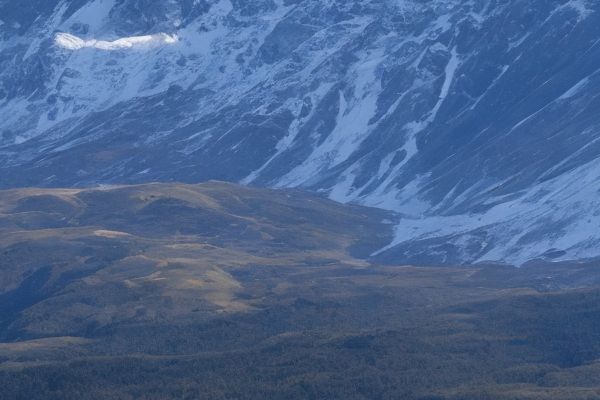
x: 475, y: 121
x: 299, y: 199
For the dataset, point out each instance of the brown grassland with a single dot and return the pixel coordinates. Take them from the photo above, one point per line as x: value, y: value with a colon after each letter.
x: 215, y: 291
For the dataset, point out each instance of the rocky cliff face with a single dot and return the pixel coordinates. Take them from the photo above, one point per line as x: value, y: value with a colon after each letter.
x: 477, y: 121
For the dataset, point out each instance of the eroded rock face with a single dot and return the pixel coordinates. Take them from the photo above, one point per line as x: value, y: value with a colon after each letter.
x: 475, y: 120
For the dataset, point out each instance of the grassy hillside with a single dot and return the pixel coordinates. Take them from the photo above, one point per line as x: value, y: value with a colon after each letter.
x: 216, y: 291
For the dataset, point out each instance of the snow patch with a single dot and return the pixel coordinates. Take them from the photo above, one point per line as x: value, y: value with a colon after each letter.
x: 575, y: 89
x: 556, y: 214
x: 580, y: 6
x: 72, y: 42
x: 353, y: 122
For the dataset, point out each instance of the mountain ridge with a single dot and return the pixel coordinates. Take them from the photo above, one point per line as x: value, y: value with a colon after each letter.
x: 473, y: 120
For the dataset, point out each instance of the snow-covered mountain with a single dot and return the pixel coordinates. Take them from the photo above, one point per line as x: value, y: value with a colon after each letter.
x: 477, y: 121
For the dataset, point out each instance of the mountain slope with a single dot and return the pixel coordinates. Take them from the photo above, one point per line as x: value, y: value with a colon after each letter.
x: 76, y: 260
x: 477, y: 121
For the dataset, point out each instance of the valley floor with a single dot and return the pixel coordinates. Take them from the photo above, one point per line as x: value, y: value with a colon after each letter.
x: 341, y: 333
